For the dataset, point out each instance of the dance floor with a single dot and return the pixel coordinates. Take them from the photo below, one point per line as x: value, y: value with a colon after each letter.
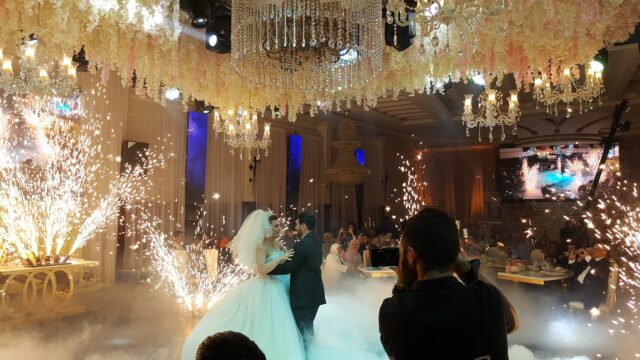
x: 135, y: 322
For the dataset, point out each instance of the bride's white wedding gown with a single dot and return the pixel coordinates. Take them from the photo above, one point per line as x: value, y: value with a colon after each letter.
x: 258, y: 308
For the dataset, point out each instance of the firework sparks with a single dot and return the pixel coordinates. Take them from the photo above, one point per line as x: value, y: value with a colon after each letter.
x: 184, y: 273
x: 616, y: 223
x: 410, y: 196
x: 49, y: 205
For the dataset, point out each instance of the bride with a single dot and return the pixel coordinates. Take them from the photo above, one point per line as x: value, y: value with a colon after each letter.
x: 258, y: 307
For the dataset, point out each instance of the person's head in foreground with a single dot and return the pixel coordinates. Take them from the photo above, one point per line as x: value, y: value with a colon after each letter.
x: 229, y: 345
x: 429, y: 245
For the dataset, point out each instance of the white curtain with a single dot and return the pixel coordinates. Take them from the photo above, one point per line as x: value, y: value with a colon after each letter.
x: 312, y: 178
x: 343, y: 205
x: 271, y: 176
x: 164, y: 129
x: 226, y: 175
x: 373, y: 189
x: 108, y: 102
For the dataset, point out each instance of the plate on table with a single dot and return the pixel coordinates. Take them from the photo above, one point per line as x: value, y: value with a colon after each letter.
x: 554, y: 272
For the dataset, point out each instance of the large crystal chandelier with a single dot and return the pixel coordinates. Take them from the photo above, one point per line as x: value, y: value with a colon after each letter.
x: 572, y: 85
x: 346, y: 171
x: 54, y: 79
x: 319, y: 45
x: 240, y: 130
x: 490, y: 115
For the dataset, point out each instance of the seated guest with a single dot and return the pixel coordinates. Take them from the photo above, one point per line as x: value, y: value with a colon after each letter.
x: 352, y: 258
x: 471, y: 247
x: 496, y: 253
x: 570, y: 253
x: 433, y: 315
x: 537, y: 256
x: 591, y: 269
x: 554, y: 255
x: 522, y: 249
x: 333, y: 268
x: 365, y: 242
x: 229, y: 345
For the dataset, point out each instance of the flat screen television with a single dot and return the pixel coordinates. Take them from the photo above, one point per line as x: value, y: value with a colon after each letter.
x: 551, y: 173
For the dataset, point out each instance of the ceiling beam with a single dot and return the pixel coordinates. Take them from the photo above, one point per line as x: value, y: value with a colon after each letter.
x: 623, y: 62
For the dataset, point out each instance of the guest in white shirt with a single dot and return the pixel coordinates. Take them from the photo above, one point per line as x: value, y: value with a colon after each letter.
x: 333, y: 268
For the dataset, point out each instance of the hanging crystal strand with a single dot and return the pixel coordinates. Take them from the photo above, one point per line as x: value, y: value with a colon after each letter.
x: 276, y: 25
x: 266, y: 38
x: 296, y: 6
x: 332, y: 30
x: 320, y: 16
x: 286, y: 11
x: 304, y: 22
x: 313, y: 15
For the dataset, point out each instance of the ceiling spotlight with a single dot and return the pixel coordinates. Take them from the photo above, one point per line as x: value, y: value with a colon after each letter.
x: 478, y: 79
x: 212, y: 41
x: 201, y: 11
x: 626, y: 126
x: 199, y: 23
x: 201, y: 107
x: 218, y: 34
x: 33, y: 39
x: 172, y: 94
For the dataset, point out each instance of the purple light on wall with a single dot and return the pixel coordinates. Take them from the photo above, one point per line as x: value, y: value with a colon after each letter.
x: 360, y: 156
x: 196, y: 157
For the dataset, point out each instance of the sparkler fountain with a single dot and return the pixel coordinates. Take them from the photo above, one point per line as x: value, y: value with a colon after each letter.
x: 49, y: 207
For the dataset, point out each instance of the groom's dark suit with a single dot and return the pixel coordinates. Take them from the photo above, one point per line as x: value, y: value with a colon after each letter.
x: 307, y: 291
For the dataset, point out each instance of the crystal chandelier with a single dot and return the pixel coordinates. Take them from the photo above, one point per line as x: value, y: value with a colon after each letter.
x: 56, y: 79
x: 490, y: 114
x: 571, y: 86
x: 318, y: 45
x: 241, y: 131
x: 429, y: 15
x: 346, y: 171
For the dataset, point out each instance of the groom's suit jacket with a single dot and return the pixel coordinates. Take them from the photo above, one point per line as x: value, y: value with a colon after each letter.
x: 306, y: 280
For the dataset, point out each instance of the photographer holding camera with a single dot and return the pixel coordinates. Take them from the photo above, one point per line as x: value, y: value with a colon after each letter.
x: 432, y: 315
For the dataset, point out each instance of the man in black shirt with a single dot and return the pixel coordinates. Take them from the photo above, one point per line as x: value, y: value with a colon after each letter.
x: 432, y: 315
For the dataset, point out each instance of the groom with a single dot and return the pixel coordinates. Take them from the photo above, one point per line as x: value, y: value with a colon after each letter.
x: 307, y: 291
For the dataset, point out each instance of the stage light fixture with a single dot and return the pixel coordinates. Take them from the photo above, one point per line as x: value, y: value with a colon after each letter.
x: 172, y: 94
x: 218, y: 34
x: 478, y: 79
x: 201, y: 12
x: 202, y: 107
x: 399, y: 37
x: 212, y: 41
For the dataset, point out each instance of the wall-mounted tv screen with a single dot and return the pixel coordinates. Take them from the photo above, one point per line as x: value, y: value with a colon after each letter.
x: 553, y: 173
